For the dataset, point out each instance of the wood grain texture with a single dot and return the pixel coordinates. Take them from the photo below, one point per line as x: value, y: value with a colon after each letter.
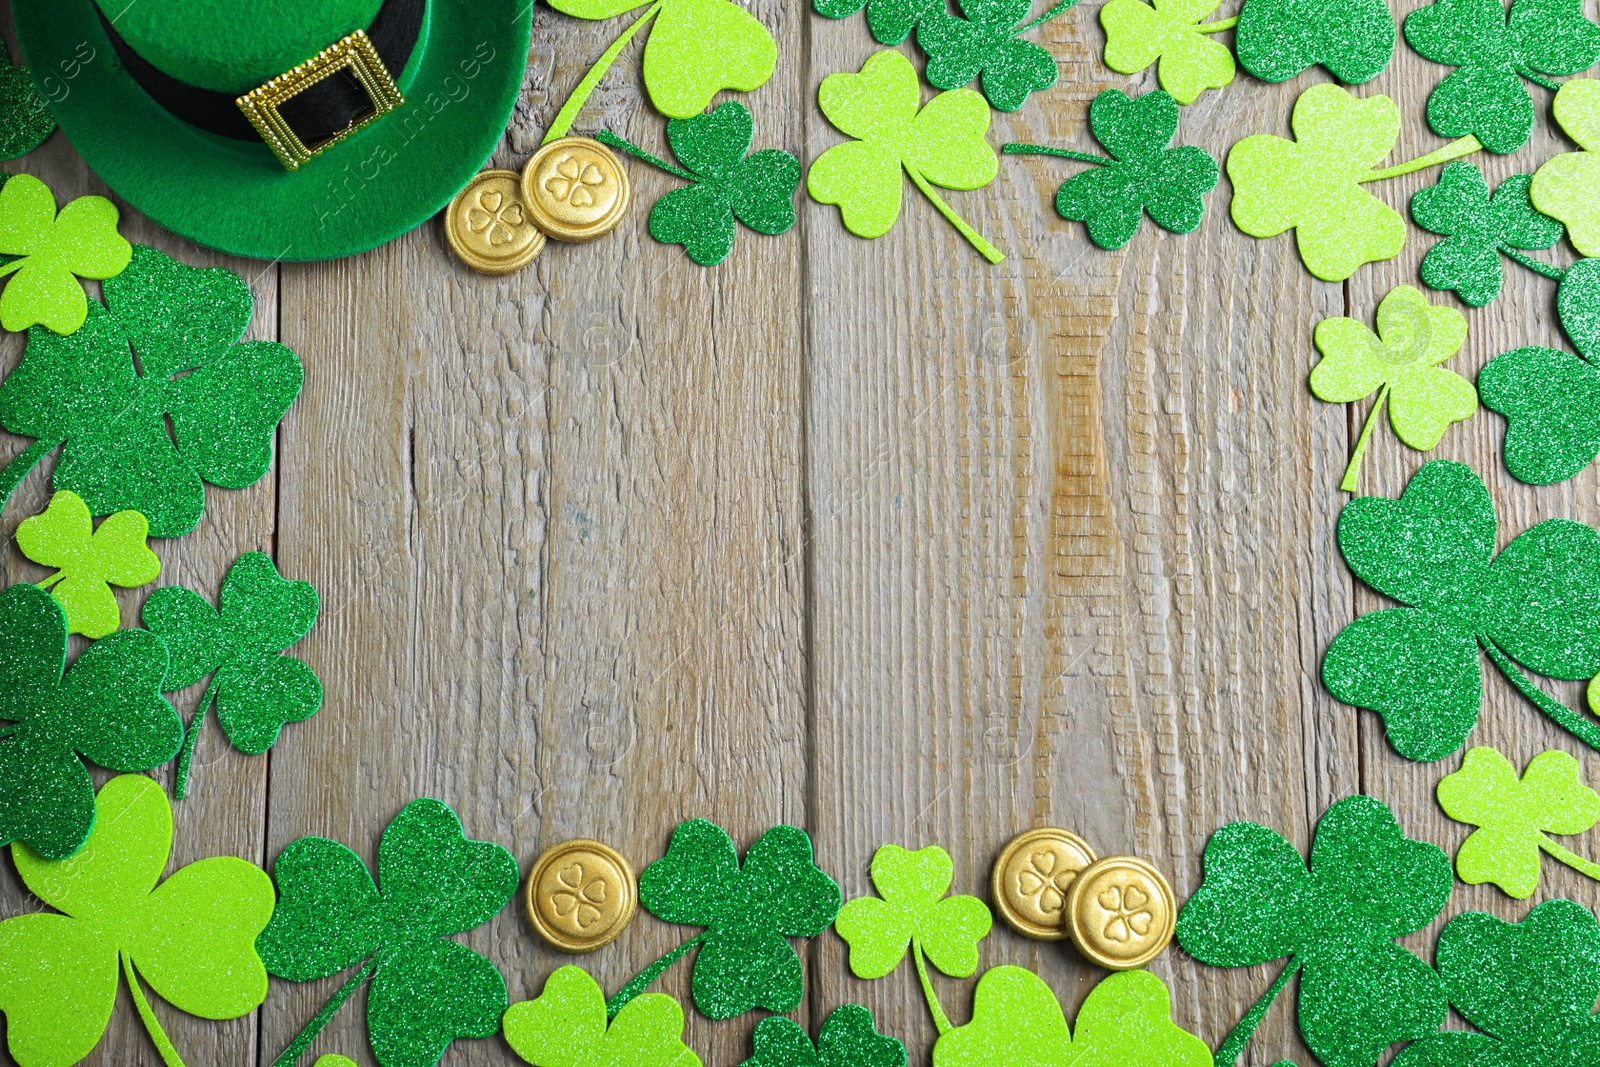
x: 870, y: 537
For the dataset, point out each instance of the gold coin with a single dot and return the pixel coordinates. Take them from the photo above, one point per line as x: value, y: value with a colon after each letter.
x: 580, y: 895
x: 489, y: 226
x: 576, y: 189
x: 1032, y: 878
x: 1122, y: 912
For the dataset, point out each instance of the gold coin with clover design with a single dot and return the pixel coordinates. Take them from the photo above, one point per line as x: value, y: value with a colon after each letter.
x: 489, y: 227
x: 1122, y: 912
x: 580, y: 895
x: 1032, y: 878
x: 575, y: 189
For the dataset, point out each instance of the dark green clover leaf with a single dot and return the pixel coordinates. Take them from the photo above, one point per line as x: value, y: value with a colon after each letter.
x: 847, y: 1039
x: 1143, y: 175
x: 1551, y: 399
x: 1278, y: 39
x: 1367, y: 885
x: 108, y: 708
x: 25, y: 119
x: 1529, y: 986
x: 982, y: 41
x: 756, y: 189
x: 255, y: 688
x: 433, y: 881
x: 1537, y: 603
x: 1490, y: 48
x: 1479, y: 227
x: 163, y: 347
x: 891, y: 21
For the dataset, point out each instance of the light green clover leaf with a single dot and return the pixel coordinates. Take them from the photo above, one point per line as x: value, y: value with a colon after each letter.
x: 1139, y: 34
x: 940, y: 144
x: 565, y: 1026
x: 90, y: 561
x: 1568, y: 186
x: 912, y: 910
x: 51, y: 249
x: 1513, y: 816
x: 192, y: 937
x: 1125, y: 1022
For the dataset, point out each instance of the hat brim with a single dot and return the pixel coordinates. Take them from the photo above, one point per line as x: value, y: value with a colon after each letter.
x: 460, y: 85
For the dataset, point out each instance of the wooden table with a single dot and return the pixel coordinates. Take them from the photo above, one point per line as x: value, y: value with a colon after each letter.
x: 869, y: 537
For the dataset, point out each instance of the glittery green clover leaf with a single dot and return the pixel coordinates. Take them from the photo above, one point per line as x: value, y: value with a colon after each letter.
x: 1313, y: 183
x: 256, y: 689
x: 1568, y: 186
x: 848, y: 1038
x: 1367, y: 884
x: 108, y: 708
x: 1142, y: 176
x: 1479, y: 227
x: 1528, y: 987
x: 89, y: 561
x: 891, y: 21
x: 984, y: 41
x: 1489, y: 49
x: 940, y: 144
x: 1537, y: 603
x: 565, y: 1026
x: 52, y: 252
x: 1138, y: 34
x: 1401, y: 363
x: 745, y: 960
x: 729, y: 183
x: 25, y: 119
x: 1278, y: 39
x: 433, y: 881
x: 1126, y: 1021
x: 1550, y: 398
x: 1513, y: 816
x: 162, y: 348
x: 192, y: 937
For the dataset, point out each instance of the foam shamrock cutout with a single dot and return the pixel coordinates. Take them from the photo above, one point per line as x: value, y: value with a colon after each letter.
x: 891, y: 21
x: 163, y: 347
x: 89, y: 561
x: 108, y: 708
x: 848, y: 1038
x: 25, y: 119
x: 1513, y: 816
x: 1143, y: 176
x: 1550, y: 398
x: 1126, y: 1019
x: 1279, y: 39
x: 748, y: 913
x: 333, y: 1059
x: 985, y: 41
x: 729, y: 183
x: 192, y: 937
x: 1528, y: 987
x: 1312, y: 184
x: 1489, y: 49
x: 1537, y: 603
x: 565, y: 1026
x: 1479, y: 227
x: 1568, y: 186
x: 52, y: 251
x: 1367, y: 884
x: 1171, y: 31
x: 940, y: 144
x: 1401, y: 363
x: 433, y: 881
x: 255, y: 689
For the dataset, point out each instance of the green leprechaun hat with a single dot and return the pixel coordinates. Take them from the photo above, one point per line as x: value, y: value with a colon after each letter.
x: 299, y: 129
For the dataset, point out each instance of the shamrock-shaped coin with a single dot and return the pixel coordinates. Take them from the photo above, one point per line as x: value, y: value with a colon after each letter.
x: 89, y: 561
x: 1142, y: 176
x: 565, y: 1026
x: 52, y: 251
x: 1171, y: 31
x: 1479, y: 227
x: 848, y: 1038
x: 192, y: 937
x: 24, y: 117
x: 1367, y: 884
x: 1279, y: 39
x: 1568, y: 186
x: 984, y: 41
x: 1513, y: 816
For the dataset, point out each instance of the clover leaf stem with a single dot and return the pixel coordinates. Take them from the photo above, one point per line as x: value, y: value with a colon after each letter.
x: 1564, y: 717
x: 180, y: 786
x: 580, y: 95
x: 1584, y: 867
x: 1463, y: 146
x: 1538, y: 266
x: 20, y: 465
x: 1042, y: 19
x: 1018, y: 148
x: 941, y: 1021
x: 988, y: 251
x: 309, y: 1034
x: 606, y: 137
x: 1348, y: 483
x: 152, y: 1025
x: 1218, y: 26
x: 1537, y: 78
x: 648, y: 975
x: 1230, y: 1050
